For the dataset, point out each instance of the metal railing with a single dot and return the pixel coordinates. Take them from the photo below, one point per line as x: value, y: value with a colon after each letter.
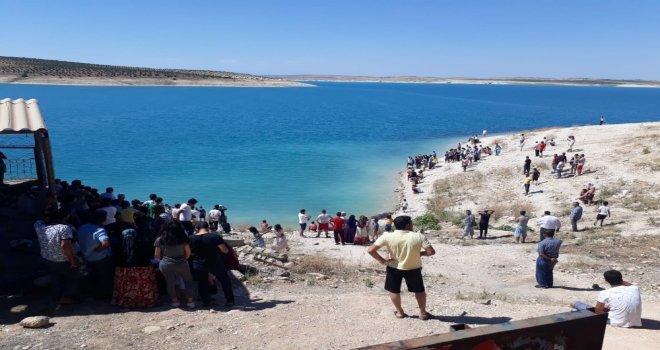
x: 20, y: 169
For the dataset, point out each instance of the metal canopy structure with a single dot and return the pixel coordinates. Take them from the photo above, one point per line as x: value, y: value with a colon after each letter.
x: 24, y: 117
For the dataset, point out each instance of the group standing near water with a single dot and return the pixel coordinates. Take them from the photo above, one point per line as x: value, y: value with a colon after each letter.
x: 110, y: 231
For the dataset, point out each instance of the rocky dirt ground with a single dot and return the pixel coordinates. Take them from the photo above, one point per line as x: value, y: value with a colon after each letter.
x: 332, y: 297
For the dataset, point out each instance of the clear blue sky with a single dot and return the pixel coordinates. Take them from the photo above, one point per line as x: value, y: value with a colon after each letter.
x: 448, y: 38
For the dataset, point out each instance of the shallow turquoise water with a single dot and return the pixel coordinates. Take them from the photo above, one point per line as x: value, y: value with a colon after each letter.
x: 267, y: 152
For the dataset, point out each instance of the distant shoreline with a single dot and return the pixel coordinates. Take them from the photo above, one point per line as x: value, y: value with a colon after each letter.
x: 475, y: 81
x: 150, y: 82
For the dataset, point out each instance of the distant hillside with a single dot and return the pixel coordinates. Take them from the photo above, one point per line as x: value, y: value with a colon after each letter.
x: 438, y: 80
x: 32, y: 70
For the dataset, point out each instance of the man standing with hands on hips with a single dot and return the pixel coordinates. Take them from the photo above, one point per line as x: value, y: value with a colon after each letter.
x: 406, y: 249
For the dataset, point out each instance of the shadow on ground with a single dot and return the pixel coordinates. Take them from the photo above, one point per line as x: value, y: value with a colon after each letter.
x: 473, y: 319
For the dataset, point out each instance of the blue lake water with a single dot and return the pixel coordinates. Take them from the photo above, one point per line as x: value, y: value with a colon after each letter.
x: 267, y: 152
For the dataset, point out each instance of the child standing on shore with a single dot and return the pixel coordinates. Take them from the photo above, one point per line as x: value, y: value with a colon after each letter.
x: 280, y: 243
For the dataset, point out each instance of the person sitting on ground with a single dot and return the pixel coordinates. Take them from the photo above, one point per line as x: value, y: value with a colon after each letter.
x: 264, y: 226
x: 587, y: 194
x: 258, y: 239
x: 603, y: 212
x: 622, y: 302
x: 312, y: 227
x: 280, y: 243
x: 405, y: 249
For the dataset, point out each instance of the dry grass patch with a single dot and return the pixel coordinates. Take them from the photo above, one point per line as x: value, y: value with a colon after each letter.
x: 321, y: 264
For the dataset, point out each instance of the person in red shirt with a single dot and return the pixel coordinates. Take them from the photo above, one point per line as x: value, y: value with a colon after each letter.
x: 338, y: 228
x: 542, y: 148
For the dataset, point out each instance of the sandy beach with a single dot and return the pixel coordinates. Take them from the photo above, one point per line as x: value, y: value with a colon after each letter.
x: 477, y: 282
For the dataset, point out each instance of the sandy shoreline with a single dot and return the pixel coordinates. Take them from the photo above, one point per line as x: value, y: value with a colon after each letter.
x: 589, y: 137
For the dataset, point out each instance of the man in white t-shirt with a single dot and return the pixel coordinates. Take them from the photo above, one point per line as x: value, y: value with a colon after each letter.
x: 303, y: 217
x: 603, y: 212
x: 324, y: 223
x: 622, y: 302
x: 186, y: 214
x: 214, y: 217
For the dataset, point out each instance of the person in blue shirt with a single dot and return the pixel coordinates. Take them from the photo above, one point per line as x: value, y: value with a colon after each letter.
x: 95, y: 248
x: 576, y: 215
x: 548, y: 250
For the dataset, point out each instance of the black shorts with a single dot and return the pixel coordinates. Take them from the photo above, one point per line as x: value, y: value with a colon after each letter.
x: 303, y: 226
x: 600, y: 217
x: 413, y: 279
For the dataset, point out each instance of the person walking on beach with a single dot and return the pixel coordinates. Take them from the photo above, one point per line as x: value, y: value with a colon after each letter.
x: 603, y: 212
x: 580, y: 164
x: 521, y: 228
x: 404, y: 205
x: 559, y: 168
x: 548, y: 250
x: 303, y: 217
x: 571, y: 143
x: 522, y: 141
x: 498, y: 149
x: 542, y: 146
x: 468, y: 224
x: 526, y: 182
x: 324, y: 223
x: 536, y: 174
x: 576, y: 215
x: 527, y: 165
x: 338, y: 228
x: 484, y: 219
x: 548, y: 223
x: 537, y: 149
x: 602, y: 120
x: 405, y: 249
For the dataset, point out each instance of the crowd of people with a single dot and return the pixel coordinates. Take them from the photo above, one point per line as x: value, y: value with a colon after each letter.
x: 346, y: 229
x: 100, y: 245
x: 90, y: 236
